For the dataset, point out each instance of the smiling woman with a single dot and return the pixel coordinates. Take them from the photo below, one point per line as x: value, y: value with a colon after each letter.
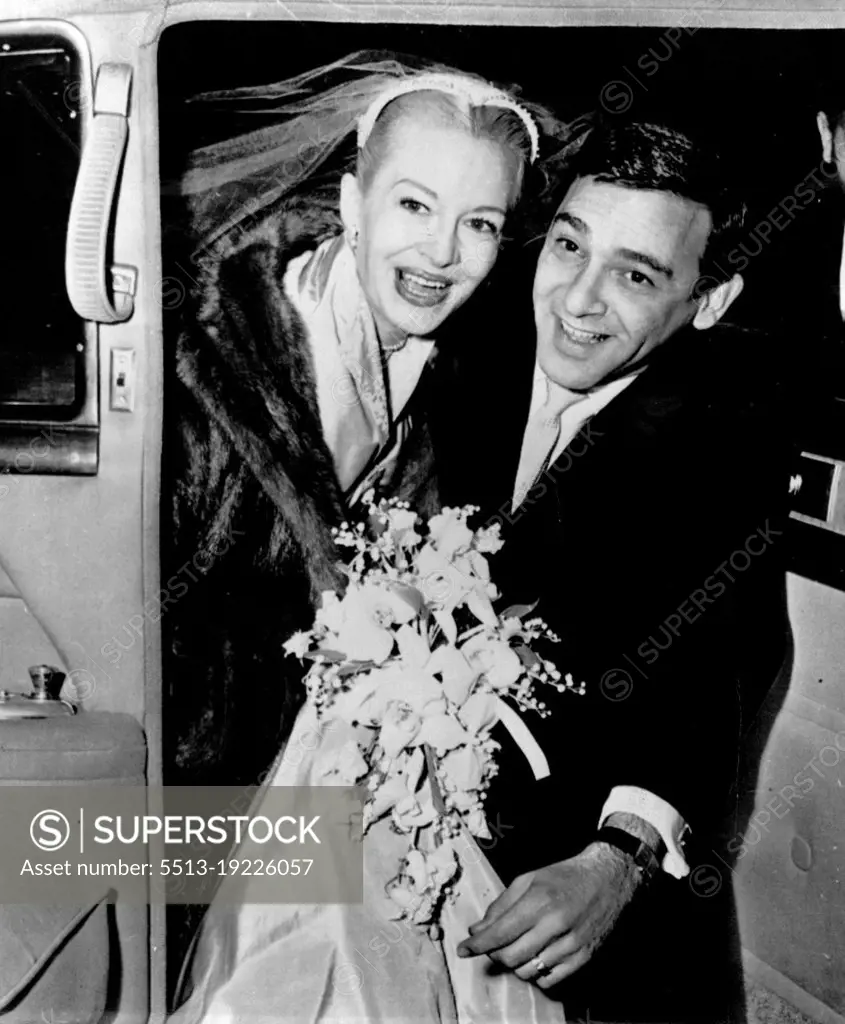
x: 430, y: 215
x: 330, y: 246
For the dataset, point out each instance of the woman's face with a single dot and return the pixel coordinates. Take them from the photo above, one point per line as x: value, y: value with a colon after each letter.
x: 429, y: 225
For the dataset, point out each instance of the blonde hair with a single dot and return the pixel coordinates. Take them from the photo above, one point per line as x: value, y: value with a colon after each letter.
x: 498, y: 125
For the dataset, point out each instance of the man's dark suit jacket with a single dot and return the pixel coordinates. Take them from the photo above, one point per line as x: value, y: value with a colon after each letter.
x: 654, y: 545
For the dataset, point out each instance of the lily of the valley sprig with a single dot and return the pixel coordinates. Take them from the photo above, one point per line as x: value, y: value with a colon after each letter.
x: 416, y: 661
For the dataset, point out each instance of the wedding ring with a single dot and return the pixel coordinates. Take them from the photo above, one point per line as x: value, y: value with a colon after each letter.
x: 538, y: 965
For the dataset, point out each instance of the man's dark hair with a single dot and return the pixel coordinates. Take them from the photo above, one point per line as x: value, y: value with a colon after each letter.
x: 655, y: 157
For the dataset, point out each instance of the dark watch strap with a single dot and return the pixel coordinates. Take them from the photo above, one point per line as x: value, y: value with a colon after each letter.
x: 644, y: 857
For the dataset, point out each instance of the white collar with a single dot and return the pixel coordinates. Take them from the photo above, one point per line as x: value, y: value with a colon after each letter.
x: 590, y: 401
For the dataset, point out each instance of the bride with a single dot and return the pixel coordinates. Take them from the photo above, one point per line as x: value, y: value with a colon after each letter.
x: 363, y: 284
x: 336, y: 250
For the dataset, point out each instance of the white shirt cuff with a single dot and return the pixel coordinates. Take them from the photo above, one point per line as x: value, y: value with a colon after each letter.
x: 663, y: 816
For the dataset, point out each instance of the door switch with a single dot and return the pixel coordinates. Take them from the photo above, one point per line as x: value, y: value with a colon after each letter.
x: 122, y: 385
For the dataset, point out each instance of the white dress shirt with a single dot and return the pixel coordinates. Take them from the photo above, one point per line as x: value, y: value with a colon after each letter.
x: 622, y: 799
x: 578, y: 410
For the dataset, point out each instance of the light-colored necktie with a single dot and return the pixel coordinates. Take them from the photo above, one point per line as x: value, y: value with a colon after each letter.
x: 541, y: 436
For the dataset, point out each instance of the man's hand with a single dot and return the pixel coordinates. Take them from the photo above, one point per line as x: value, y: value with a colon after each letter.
x: 559, y: 915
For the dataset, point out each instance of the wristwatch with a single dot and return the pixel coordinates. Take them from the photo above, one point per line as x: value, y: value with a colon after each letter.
x: 645, y: 858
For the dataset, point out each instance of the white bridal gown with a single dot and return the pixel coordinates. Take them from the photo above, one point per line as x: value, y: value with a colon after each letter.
x: 353, y: 963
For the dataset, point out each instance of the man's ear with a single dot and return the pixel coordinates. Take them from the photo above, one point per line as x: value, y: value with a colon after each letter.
x: 713, y: 304
x: 350, y: 204
x: 826, y: 136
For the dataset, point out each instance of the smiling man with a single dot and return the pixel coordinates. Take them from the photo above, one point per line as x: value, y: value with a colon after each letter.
x: 617, y: 278
x: 638, y: 459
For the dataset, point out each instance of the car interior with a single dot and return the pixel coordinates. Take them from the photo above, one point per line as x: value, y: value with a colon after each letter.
x: 98, y: 121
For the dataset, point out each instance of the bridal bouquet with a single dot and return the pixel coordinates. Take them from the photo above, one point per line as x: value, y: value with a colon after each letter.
x: 414, y: 657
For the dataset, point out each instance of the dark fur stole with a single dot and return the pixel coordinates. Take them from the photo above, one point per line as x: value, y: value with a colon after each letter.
x: 253, y: 493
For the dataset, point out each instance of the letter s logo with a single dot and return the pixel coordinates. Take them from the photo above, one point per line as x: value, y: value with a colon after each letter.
x: 49, y: 830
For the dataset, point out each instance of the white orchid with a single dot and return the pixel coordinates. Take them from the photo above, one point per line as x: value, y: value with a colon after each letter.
x: 449, y: 532
x: 442, y: 584
x: 413, y: 646
x: 497, y: 661
x: 359, y: 625
x: 442, y: 732
x: 448, y: 585
x: 414, y: 812
x: 456, y: 672
x: 462, y: 769
x: 479, y: 713
x: 379, y: 689
x: 418, y: 691
x: 399, y: 727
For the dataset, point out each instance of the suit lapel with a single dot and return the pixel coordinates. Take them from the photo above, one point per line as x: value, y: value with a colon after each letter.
x: 633, y: 418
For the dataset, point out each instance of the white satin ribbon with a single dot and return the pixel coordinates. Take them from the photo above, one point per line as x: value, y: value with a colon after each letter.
x: 524, y: 740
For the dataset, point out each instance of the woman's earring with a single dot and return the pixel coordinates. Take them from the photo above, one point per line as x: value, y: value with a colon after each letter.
x: 352, y: 238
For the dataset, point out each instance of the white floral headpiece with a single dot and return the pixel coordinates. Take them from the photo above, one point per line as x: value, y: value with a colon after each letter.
x: 468, y: 90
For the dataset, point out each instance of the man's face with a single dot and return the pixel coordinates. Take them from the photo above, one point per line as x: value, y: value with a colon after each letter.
x: 615, y: 279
